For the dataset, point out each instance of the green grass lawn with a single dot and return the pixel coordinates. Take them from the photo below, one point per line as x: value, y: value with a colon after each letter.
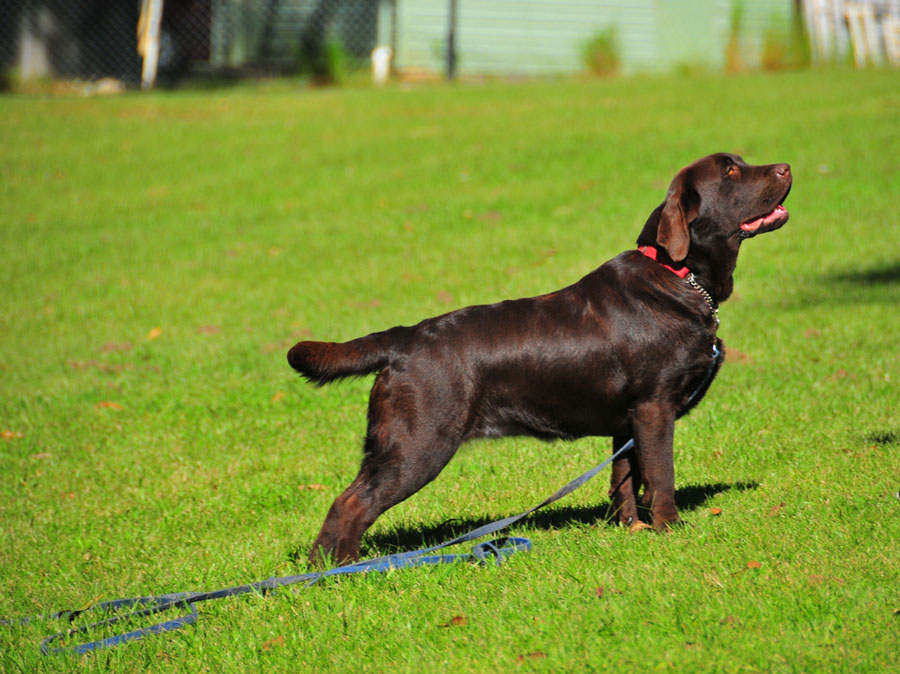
x: 161, y: 252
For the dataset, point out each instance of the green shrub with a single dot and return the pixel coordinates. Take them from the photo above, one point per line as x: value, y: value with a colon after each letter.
x: 601, y: 52
x: 326, y: 61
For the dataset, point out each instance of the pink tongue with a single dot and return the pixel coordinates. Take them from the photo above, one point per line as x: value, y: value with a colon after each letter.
x: 753, y: 225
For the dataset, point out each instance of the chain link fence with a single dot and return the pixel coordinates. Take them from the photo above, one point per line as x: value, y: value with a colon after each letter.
x: 95, y: 39
x: 89, y: 40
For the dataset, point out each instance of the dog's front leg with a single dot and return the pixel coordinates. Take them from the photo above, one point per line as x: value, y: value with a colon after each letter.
x: 625, y: 484
x: 654, y: 430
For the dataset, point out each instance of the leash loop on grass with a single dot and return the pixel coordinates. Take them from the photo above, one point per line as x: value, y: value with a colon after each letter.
x: 156, y: 605
x: 497, y: 550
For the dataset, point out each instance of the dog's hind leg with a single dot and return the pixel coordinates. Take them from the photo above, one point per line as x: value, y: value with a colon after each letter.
x: 405, y: 449
x: 380, y: 485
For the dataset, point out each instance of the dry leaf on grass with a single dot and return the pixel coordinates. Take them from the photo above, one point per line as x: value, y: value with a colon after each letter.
x: 732, y: 355
x: 638, y: 526
x: 311, y: 487
x: 154, y: 333
x: 269, y: 644
x: 108, y: 404
x: 11, y: 435
x: 537, y: 655
x: 715, y: 511
x: 456, y: 621
x: 816, y: 579
x: 599, y: 591
x: 112, y: 347
x: 96, y: 364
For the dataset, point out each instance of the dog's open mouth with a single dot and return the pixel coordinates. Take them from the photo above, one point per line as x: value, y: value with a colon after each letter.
x: 777, y: 217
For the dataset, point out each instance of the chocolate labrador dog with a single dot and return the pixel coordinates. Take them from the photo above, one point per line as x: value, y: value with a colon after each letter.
x: 623, y: 352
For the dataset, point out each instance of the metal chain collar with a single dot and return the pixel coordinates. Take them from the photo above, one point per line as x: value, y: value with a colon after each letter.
x: 691, y: 281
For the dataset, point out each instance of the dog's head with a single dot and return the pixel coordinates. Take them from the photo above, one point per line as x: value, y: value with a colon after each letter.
x: 719, y: 200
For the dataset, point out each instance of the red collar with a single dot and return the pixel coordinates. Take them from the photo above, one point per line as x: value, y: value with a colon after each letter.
x: 651, y: 252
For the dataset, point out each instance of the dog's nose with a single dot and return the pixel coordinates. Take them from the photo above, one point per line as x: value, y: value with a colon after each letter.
x: 783, y: 170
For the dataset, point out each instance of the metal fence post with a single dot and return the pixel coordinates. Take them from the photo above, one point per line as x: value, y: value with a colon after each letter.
x: 451, y: 41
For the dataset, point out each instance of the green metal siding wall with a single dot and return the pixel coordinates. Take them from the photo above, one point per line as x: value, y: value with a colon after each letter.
x: 269, y: 32
x: 534, y: 37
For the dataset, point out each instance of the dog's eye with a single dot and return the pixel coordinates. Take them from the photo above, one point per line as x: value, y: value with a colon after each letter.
x: 731, y: 171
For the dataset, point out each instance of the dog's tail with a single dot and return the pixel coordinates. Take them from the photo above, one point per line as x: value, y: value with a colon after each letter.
x: 322, y: 362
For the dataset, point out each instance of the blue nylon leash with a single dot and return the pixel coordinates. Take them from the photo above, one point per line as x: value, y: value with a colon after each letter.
x: 497, y: 550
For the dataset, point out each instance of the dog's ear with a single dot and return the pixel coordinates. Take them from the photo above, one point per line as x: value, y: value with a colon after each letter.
x: 681, y: 206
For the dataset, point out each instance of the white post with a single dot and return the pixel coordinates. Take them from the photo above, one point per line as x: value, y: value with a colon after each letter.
x: 148, y: 40
x: 381, y: 64
x: 35, y: 33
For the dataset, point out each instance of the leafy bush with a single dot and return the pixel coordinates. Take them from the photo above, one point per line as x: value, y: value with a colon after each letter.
x: 326, y: 61
x: 601, y: 52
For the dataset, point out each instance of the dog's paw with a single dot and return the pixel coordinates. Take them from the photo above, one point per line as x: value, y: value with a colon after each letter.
x: 669, y: 526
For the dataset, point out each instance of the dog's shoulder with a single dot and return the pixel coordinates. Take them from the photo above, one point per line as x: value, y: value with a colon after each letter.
x: 625, y: 273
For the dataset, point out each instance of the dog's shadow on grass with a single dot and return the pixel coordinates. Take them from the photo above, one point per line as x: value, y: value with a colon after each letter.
x: 402, y: 538
x: 888, y: 274
x: 877, y: 285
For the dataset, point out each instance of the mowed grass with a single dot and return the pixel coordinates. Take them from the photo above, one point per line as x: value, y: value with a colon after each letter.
x: 161, y: 252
